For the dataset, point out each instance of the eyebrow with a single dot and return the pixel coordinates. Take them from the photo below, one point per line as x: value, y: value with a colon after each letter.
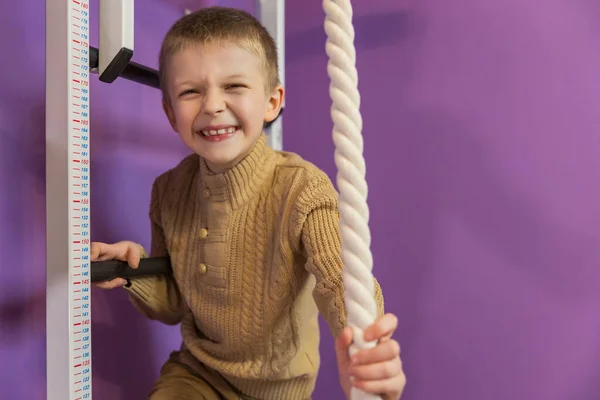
x: 183, y: 83
x: 235, y: 76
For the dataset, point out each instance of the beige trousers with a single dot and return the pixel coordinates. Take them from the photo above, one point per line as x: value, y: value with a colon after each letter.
x: 177, y: 381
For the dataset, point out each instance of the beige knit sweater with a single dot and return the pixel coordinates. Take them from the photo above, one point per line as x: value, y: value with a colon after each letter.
x: 255, y: 254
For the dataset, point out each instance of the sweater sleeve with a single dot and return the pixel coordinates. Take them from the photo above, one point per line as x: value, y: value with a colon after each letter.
x: 157, y: 297
x: 321, y: 242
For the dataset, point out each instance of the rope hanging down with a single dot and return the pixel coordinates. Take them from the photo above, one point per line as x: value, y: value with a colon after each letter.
x: 352, y: 186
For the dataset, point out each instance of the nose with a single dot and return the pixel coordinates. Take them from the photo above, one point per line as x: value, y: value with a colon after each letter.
x: 214, y: 102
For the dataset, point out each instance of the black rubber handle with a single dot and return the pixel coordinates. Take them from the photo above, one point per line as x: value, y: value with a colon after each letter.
x: 111, y: 269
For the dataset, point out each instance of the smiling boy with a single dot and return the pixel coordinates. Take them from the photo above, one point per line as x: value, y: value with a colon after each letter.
x: 252, y: 233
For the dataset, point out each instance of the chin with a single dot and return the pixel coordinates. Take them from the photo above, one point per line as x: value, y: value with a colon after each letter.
x: 220, y: 154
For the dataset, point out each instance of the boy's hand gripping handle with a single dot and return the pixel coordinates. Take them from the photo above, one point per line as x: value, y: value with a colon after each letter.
x: 111, y: 269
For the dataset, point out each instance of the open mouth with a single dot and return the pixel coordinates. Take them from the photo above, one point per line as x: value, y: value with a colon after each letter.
x: 222, y: 131
x: 218, y: 134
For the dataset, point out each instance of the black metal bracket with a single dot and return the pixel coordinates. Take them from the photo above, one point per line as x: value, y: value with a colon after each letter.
x: 131, y: 71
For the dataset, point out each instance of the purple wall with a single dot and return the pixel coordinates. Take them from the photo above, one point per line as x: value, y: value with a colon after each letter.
x: 484, y: 227
x: 481, y: 122
x: 22, y: 204
x: 127, y: 349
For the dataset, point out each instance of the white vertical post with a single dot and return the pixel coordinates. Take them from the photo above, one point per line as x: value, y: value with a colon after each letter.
x: 115, y: 42
x: 272, y: 15
x: 68, y: 333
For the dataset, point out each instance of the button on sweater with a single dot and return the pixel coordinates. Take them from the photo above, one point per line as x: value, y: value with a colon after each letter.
x: 256, y: 255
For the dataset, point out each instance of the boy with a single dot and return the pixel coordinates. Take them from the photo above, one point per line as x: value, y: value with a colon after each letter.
x: 252, y: 233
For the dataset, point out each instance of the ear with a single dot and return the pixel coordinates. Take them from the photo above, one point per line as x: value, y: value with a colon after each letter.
x: 274, y: 103
x: 170, y: 114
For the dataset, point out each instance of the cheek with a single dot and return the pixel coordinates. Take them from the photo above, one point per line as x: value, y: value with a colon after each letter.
x: 185, y: 113
x: 249, y: 108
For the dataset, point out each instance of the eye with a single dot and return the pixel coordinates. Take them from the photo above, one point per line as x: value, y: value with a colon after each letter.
x: 236, y: 86
x: 187, y: 91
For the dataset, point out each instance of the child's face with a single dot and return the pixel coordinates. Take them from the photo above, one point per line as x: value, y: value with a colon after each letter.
x: 218, y: 102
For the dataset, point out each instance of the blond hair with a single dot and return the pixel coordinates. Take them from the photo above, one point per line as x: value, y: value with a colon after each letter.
x: 220, y: 25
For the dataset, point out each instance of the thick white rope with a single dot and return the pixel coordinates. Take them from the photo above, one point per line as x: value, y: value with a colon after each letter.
x: 351, y: 182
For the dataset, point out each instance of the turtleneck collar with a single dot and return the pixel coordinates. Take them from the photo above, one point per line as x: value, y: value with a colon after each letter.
x: 239, y: 183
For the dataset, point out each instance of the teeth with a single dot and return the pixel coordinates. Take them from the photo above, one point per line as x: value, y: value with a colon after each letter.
x: 213, y: 132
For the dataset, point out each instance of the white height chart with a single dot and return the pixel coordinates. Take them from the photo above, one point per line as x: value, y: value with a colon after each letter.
x: 68, y: 314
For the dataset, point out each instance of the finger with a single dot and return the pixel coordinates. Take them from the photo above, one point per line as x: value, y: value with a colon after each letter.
x: 103, y: 251
x: 381, y: 329
x: 134, y: 253
x: 112, y: 284
x: 392, y: 386
x: 96, y: 249
x: 123, y: 251
x: 105, y: 256
x: 377, y: 371
x: 342, y: 345
x: 384, y: 351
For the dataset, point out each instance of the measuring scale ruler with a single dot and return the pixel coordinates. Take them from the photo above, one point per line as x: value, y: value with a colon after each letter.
x: 68, y: 264
x: 68, y: 327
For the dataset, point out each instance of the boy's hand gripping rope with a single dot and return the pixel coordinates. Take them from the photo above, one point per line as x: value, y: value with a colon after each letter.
x: 352, y: 186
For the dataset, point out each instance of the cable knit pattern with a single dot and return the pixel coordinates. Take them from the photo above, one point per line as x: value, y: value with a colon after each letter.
x: 256, y: 254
